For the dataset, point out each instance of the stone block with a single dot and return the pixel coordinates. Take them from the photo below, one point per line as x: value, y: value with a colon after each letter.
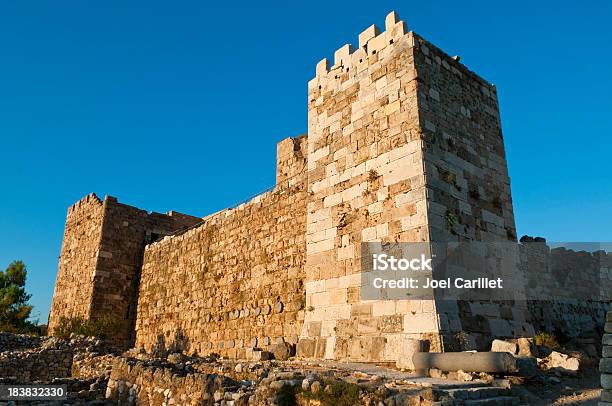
x: 306, y: 348
x: 322, y: 67
x: 606, y: 351
x: 367, y: 34
x: 606, y: 381
x: 342, y: 55
x: 391, y: 19
x: 605, y: 365
x: 420, y: 323
x: 281, y: 351
x: 408, y: 346
x: 330, y: 345
x: 526, y: 347
x: 383, y: 308
x: 259, y: 355
x: 563, y: 363
x: 504, y: 346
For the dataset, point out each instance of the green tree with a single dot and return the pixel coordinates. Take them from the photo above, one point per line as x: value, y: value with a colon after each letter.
x: 14, y: 307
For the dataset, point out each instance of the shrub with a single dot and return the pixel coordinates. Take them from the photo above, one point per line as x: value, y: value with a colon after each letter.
x: 546, y: 340
x: 340, y: 393
x: 104, y: 326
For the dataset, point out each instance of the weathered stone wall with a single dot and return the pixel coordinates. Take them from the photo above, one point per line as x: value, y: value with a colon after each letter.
x: 150, y: 383
x: 36, y: 365
x: 291, y: 159
x: 126, y: 230
x: 366, y: 176
x: 78, y: 260
x: 101, y: 259
x: 17, y: 342
x: 234, y: 282
x: 468, y: 187
x: 572, y: 287
x: 605, y: 364
x: 405, y: 145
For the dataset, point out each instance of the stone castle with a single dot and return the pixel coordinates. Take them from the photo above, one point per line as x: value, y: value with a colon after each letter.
x: 404, y: 144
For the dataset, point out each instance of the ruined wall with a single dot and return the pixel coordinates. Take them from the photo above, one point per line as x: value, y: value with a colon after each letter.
x: 236, y: 281
x: 573, y: 288
x: 291, y: 159
x: 78, y: 260
x: 41, y: 364
x: 101, y: 259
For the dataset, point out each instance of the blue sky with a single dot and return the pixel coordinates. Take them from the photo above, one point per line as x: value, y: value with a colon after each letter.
x: 179, y: 105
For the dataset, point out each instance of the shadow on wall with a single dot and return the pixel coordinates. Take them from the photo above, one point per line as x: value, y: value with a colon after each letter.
x: 179, y: 343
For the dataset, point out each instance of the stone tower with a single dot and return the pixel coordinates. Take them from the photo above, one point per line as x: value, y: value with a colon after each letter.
x: 402, y: 138
x: 100, y: 261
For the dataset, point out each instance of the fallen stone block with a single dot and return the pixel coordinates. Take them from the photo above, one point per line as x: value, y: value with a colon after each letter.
x: 259, y: 355
x: 281, y: 351
x: 464, y: 376
x: 526, y: 347
x: 503, y: 346
x: 563, y: 363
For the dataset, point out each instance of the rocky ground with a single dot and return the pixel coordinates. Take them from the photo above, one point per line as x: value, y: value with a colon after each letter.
x: 99, y: 375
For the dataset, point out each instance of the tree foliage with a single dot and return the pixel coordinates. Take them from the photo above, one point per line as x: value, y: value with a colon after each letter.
x: 14, y: 306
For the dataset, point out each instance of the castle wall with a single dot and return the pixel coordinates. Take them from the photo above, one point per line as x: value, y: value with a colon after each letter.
x: 236, y: 281
x: 101, y: 259
x: 78, y: 260
x: 126, y: 230
x: 572, y: 287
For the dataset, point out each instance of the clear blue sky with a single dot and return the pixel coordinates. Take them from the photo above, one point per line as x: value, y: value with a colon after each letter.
x: 179, y: 105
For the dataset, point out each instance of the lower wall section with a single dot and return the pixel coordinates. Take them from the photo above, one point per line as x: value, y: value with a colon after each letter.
x: 41, y: 365
x: 136, y: 382
x: 236, y: 282
x: 569, y: 318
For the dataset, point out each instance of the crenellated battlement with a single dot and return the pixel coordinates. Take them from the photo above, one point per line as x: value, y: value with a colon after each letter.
x: 371, y: 42
x: 86, y: 200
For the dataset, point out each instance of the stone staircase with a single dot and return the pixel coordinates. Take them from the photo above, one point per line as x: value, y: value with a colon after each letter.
x: 474, y: 395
